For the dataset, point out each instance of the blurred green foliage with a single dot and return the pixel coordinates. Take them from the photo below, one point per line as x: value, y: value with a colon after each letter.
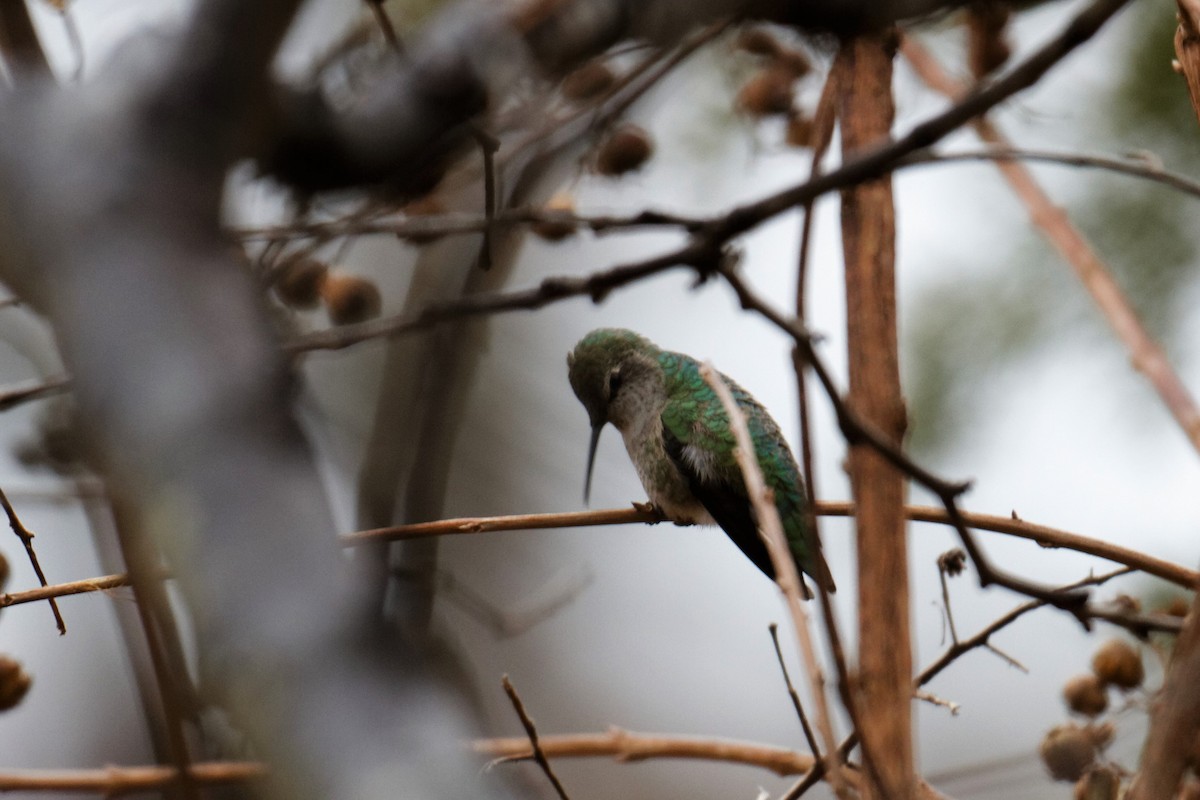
x: 1017, y: 305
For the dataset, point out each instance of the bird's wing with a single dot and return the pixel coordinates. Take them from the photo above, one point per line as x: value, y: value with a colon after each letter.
x: 700, y: 444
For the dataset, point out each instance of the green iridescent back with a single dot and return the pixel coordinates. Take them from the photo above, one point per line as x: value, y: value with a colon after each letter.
x: 696, y: 417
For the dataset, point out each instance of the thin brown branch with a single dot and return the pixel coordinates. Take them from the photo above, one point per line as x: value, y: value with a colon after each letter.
x: 516, y: 522
x: 704, y: 251
x: 626, y: 746
x: 114, y: 781
x: 981, y: 639
x: 770, y: 528
x: 1187, y: 48
x: 152, y: 606
x: 1043, y: 535
x: 539, y: 755
x: 700, y: 253
x: 809, y: 736
x: 1147, y: 354
x: 461, y: 224
x: 64, y: 590
x: 26, y: 537
x: 1136, y: 166
x: 857, y: 430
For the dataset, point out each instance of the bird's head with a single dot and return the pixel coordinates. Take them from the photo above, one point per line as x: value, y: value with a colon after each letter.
x: 600, y: 365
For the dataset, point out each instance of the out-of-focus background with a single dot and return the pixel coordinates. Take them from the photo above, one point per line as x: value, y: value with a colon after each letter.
x: 1012, y: 377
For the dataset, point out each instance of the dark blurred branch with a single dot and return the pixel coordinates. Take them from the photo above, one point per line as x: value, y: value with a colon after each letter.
x: 705, y: 249
x: 20, y: 48
x: 185, y: 400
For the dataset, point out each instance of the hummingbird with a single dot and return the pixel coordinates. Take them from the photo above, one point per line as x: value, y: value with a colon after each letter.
x: 678, y: 436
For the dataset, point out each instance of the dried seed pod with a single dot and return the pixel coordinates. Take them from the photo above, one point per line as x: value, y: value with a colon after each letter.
x: 801, y: 129
x: 1098, y: 783
x: 1178, y: 607
x: 349, y: 298
x: 769, y: 91
x: 553, y: 230
x: 795, y: 62
x: 1119, y: 663
x: 591, y: 80
x: 758, y: 41
x: 1086, y: 694
x: 298, y: 281
x: 952, y: 562
x: 627, y: 149
x: 1067, y: 752
x: 14, y: 683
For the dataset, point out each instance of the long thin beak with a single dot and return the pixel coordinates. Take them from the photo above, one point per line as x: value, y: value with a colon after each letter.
x: 587, y: 482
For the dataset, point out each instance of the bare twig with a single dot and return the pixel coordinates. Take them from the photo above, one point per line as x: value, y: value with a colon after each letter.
x: 64, y: 590
x: 627, y: 746
x: 981, y: 639
x: 1146, y: 353
x: 152, y: 607
x: 539, y: 755
x: 518, y: 522
x: 26, y: 537
x: 933, y: 699
x: 792, y: 693
x: 857, y: 430
x: 1136, y: 165
x: 771, y: 530
x: 1046, y: 537
x: 113, y: 781
x: 704, y: 251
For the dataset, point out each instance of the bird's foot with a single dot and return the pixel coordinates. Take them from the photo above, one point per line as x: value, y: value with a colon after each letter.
x: 649, y: 508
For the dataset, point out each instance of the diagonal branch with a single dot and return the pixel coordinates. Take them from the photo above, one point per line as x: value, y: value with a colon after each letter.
x: 770, y: 528
x: 26, y: 537
x: 1147, y: 354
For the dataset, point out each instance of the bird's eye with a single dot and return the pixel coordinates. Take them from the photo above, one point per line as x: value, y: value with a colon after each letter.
x: 614, y: 382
